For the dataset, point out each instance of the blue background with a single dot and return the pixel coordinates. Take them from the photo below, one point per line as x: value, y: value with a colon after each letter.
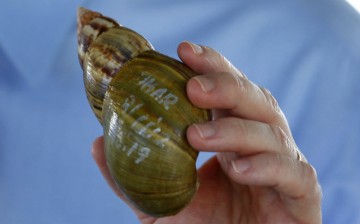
x: 307, y: 52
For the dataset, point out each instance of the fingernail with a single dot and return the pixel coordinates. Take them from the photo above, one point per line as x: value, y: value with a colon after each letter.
x: 241, y: 165
x: 206, y: 83
x: 196, y: 48
x: 205, y: 130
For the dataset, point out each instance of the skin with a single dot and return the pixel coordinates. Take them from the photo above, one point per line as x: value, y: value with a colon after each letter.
x: 257, y: 175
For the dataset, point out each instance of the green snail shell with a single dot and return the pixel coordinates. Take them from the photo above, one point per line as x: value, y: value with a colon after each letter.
x: 144, y: 111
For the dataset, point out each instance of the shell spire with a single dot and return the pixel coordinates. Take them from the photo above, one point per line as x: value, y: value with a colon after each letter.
x: 90, y: 25
x: 103, y: 47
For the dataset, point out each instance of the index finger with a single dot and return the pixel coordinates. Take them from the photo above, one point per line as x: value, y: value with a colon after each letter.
x: 221, y: 86
x: 204, y: 60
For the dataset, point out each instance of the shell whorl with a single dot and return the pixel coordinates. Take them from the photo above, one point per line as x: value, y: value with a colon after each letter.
x: 103, y: 47
x: 90, y: 25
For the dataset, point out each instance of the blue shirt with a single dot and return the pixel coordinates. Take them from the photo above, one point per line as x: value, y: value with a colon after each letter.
x: 306, y: 52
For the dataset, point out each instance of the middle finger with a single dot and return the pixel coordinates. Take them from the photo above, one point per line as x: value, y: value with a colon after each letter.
x: 245, y: 137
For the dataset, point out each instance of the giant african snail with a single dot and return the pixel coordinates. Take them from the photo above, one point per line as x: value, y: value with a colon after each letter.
x: 139, y: 97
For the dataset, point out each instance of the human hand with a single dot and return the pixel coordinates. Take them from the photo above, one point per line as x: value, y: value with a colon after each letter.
x: 258, y: 174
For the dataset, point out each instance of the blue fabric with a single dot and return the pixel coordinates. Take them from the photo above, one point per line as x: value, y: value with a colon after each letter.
x: 306, y: 52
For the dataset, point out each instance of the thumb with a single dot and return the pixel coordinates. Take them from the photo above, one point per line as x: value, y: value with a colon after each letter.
x: 98, y: 154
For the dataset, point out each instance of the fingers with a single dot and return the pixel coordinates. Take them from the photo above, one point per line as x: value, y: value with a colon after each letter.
x: 223, y: 87
x: 278, y: 175
x: 242, y: 136
x: 285, y: 174
x: 239, y: 96
x: 249, y: 131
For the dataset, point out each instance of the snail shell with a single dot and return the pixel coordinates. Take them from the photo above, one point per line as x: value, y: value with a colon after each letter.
x: 103, y: 47
x: 139, y: 97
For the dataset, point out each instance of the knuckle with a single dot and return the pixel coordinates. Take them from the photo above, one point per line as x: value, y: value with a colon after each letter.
x: 241, y: 86
x: 235, y: 86
x: 237, y: 80
x: 282, y: 138
x: 273, y: 103
x: 216, y: 60
x: 312, y: 187
x: 220, y: 62
x: 270, y: 98
x: 311, y: 175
